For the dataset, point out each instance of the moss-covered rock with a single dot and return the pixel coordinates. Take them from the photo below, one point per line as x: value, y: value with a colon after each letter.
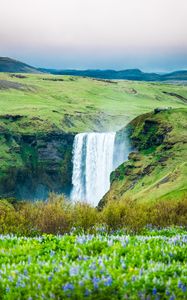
x: 157, y: 167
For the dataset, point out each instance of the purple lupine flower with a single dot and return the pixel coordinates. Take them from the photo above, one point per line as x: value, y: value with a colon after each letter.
x: 18, y: 283
x: 141, y: 272
x: 184, y: 289
x: 125, y: 283
x: 108, y: 281
x: 10, y: 278
x: 29, y: 260
x: 133, y: 278
x: 95, y: 281
x: 81, y: 283
x: 52, y: 253
x: 52, y: 295
x: 74, y: 271
x: 87, y: 293
x: 93, y: 266
x: 154, y: 291
x: 67, y: 287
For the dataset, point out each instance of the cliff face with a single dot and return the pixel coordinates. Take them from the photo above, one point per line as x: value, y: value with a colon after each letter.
x: 157, y: 167
x: 32, y: 165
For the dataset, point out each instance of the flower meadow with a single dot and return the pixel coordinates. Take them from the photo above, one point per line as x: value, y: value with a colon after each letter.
x: 95, y: 266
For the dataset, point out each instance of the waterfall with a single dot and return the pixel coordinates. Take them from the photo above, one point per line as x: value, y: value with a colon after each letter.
x: 92, y: 164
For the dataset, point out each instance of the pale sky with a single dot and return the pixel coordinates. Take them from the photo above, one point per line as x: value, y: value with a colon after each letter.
x: 118, y: 34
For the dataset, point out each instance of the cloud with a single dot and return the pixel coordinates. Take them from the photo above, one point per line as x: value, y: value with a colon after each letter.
x: 94, y: 27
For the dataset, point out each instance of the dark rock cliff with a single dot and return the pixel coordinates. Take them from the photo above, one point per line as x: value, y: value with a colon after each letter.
x: 39, y: 163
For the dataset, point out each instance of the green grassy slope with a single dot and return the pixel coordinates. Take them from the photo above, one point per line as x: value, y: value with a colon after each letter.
x: 158, y: 169
x: 75, y: 104
x: 40, y: 113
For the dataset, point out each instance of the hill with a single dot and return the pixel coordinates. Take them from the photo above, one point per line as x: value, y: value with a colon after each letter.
x: 178, y: 75
x: 76, y: 104
x: 40, y: 115
x: 14, y: 66
x: 131, y: 74
x: 157, y: 167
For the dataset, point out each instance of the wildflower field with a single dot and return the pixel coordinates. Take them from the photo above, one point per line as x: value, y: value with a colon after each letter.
x: 152, y: 265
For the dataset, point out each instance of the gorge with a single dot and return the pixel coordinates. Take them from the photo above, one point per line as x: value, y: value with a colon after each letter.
x: 47, y: 113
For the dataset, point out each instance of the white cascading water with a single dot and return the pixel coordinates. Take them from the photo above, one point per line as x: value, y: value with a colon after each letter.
x: 92, y: 165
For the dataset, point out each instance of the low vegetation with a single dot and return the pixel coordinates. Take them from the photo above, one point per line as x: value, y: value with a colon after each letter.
x: 88, y: 266
x: 59, y: 216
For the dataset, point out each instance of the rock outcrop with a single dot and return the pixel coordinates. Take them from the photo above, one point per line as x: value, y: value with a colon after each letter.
x: 39, y: 163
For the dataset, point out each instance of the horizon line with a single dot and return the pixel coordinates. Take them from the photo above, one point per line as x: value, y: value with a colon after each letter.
x: 160, y: 72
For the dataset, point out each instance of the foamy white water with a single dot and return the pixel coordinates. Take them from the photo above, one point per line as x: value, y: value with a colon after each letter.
x: 92, y: 164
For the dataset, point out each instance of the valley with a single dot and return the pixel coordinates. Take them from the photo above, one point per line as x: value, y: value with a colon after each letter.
x: 40, y: 115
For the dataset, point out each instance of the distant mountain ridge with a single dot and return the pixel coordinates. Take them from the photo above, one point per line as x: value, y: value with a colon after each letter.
x: 129, y: 74
x: 14, y: 66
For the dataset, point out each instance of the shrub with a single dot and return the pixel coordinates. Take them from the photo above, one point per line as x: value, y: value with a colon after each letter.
x: 125, y: 213
x: 167, y: 213
x: 11, y: 220
x: 54, y: 215
x: 84, y: 216
x: 58, y: 215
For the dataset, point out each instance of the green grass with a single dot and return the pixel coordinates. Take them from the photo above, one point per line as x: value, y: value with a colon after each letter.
x: 38, y: 105
x: 159, y: 170
x: 152, y: 266
x: 80, y: 104
x: 99, y: 266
